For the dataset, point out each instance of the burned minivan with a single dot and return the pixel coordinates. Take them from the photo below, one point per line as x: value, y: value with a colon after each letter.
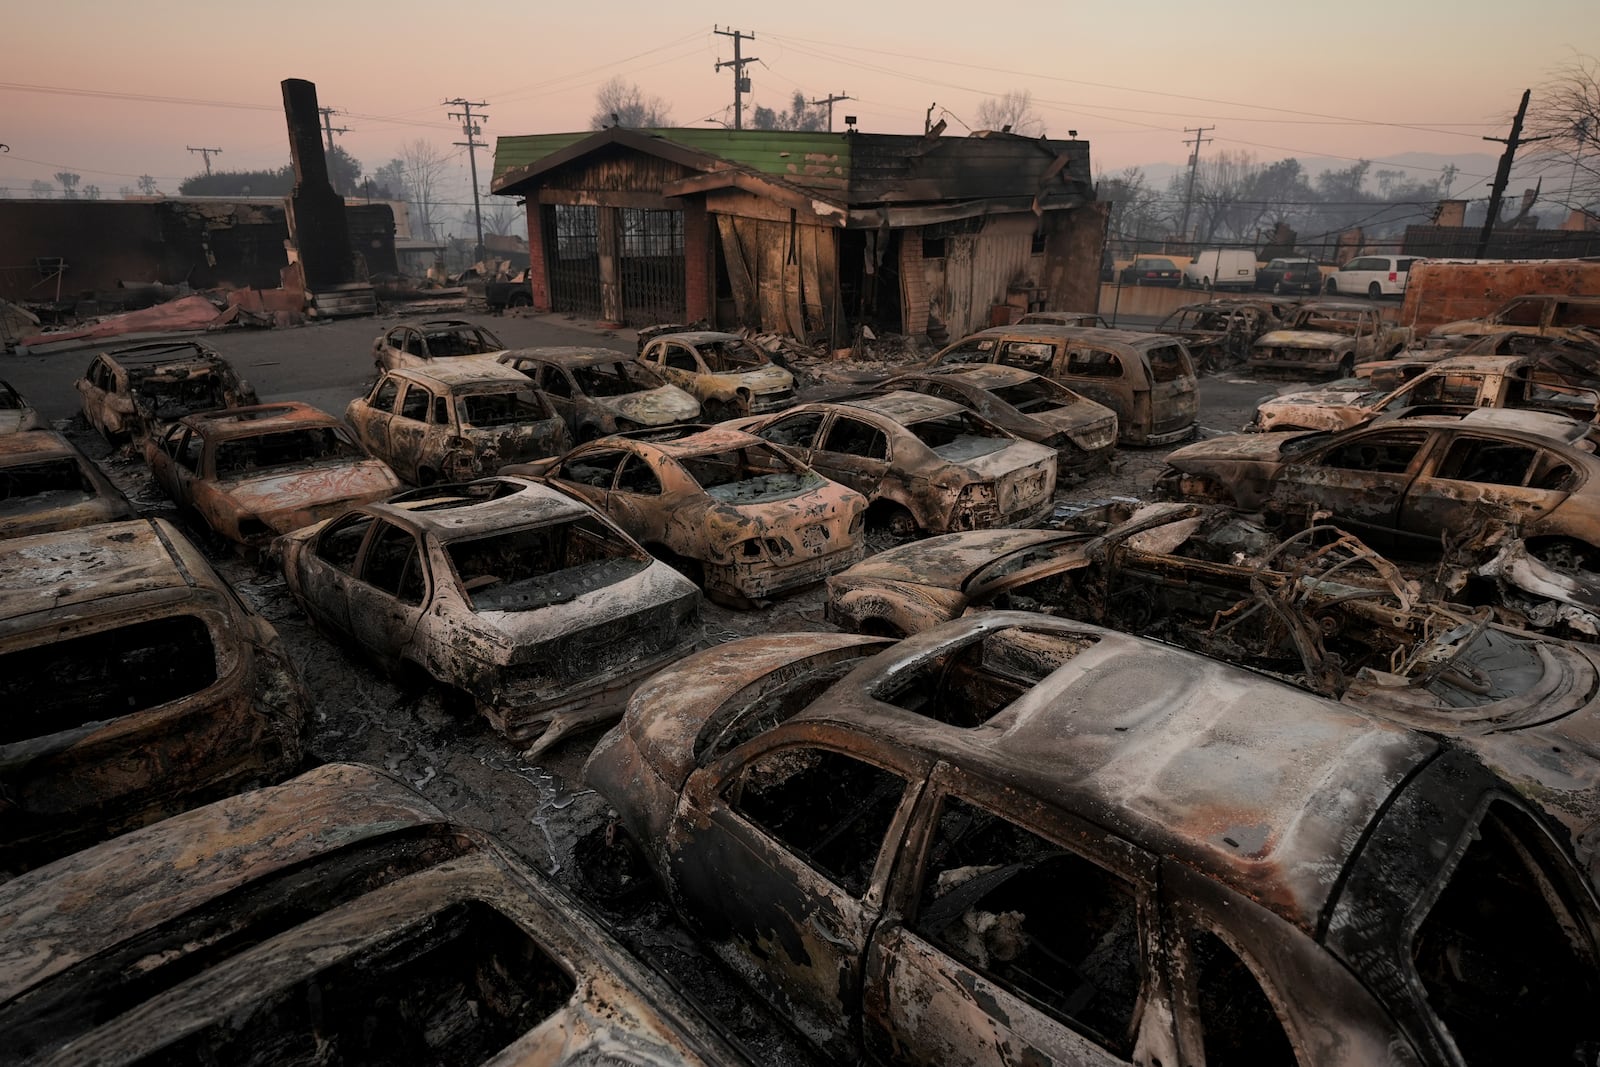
x: 129, y: 392
x: 133, y: 684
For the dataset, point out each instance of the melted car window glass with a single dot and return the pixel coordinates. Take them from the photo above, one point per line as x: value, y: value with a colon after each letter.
x: 528, y: 569
x: 831, y: 810
x: 510, y: 408
x: 746, y: 475
x: 29, y: 481
x: 1034, y: 395
x: 1241, y: 1028
x: 614, y: 379
x: 1505, y: 956
x: 1041, y: 921
x: 103, y: 676
x: 969, y: 684
x: 285, y: 448
x: 960, y: 436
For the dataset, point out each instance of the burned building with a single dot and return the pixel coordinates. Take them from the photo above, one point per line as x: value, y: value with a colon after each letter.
x: 808, y: 233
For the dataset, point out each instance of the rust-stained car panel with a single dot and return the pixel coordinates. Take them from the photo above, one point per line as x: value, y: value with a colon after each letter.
x: 253, y: 473
x: 727, y: 374
x: 419, y: 344
x: 455, y: 421
x: 747, y: 520
x: 1148, y: 379
x: 923, y: 462
x: 1033, y: 407
x: 1540, y: 313
x: 337, y: 918
x: 16, y: 414
x: 1062, y: 318
x: 131, y: 392
x: 539, y: 609
x: 600, y: 392
x: 47, y: 484
x: 1328, y: 338
x: 1219, y: 333
x: 1014, y: 831
x: 133, y: 683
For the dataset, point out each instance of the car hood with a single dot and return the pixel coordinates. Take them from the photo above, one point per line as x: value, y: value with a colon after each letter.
x: 1259, y: 447
x: 1340, y: 395
x: 652, y: 407
x: 950, y: 560
x: 1002, y: 461
x: 515, y: 634
x: 1302, y: 339
x: 759, y: 380
x: 285, y: 499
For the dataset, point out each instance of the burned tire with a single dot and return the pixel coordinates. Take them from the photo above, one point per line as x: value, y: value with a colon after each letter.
x: 520, y: 300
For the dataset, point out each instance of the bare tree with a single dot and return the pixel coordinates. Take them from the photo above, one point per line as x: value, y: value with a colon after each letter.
x: 502, y: 217
x: 1136, y: 216
x: 1566, y: 109
x: 91, y: 192
x: 41, y: 189
x: 622, y: 103
x: 69, y: 183
x: 147, y: 185
x: 1014, y: 110
x: 800, y: 116
x: 423, y: 166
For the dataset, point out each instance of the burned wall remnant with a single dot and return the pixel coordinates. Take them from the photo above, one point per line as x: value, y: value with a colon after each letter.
x: 316, y: 213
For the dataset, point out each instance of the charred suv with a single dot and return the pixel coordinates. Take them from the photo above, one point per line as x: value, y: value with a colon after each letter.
x: 129, y: 392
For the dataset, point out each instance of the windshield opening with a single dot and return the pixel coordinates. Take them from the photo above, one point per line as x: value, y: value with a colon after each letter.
x: 745, y: 475
x: 732, y: 355
x: 29, y: 480
x: 959, y: 436
x: 284, y: 448
x: 500, y: 409
x: 534, y: 568
x: 615, y: 379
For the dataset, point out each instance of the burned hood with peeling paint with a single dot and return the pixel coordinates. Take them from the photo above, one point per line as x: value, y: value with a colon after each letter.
x: 950, y: 560
x: 291, y: 498
x: 652, y: 407
x: 1242, y: 447
x: 1304, y: 339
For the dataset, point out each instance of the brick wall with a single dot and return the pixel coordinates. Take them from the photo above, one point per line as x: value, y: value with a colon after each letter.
x: 697, y: 277
x: 538, y: 267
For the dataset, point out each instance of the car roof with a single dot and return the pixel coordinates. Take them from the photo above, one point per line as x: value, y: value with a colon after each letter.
x: 567, y: 355
x: 34, y: 446
x: 71, y: 568
x: 484, y: 506
x: 1097, y: 334
x: 443, y: 324
x: 698, y: 337
x: 1540, y: 423
x: 1262, y: 785
x: 455, y: 373
x: 700, y: 443
x: 258, y: 419
x: 901, y: 406
x: 157, y: 353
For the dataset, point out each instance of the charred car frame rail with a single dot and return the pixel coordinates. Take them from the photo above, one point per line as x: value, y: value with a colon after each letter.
x: 128, y: 393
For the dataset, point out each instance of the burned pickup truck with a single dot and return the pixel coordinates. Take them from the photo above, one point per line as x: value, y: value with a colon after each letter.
x: 1328, y: 339
x: 130, y: 392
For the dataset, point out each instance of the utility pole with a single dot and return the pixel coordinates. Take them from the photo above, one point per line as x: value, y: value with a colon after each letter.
x: 1194, y: 165
x: 741, y: 84
x: 207, y: 153
x: 830, y: 100
x: 327, y: 114
x: 1502, y: 173
x: 471, y: 144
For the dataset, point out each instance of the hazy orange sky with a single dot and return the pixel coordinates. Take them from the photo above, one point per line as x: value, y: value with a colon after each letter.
x: 131, y: 85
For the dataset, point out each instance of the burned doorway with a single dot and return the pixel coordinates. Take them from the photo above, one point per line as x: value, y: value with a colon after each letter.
x: 572, y: 252
x: 652, y: 266
x: 869, y: 280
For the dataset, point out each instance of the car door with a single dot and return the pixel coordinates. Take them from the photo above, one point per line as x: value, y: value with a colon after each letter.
x: 386, y: 599
x: 1474, y: 477
x: 1013, y: 926
x: 1361, y: 478
x: 408, y: 431
x: 1098, y: 374
x: 781, y: 853
x: 328, y: 569
x: 855, y: 453
x: 371, y: 419
x: 796, y: 433
x: 635, y: 504
x: 678, y: 364
x: 588, y: 474
x: 557, y: 387
x: 175, y: 464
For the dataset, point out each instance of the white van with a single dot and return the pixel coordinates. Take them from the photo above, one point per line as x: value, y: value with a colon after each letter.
x: 1227, y: 268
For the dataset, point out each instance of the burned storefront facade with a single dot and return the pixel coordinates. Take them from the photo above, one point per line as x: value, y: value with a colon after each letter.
x: 806, y: 233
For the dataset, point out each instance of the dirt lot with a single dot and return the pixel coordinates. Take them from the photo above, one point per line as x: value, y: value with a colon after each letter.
x: 539, y: 809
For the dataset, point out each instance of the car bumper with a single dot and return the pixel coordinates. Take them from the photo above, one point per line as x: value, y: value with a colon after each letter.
x: 757, y: 581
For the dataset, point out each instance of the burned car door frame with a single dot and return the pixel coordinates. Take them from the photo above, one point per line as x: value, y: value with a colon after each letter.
x: 1359, y: 478
x: 1469, y: 477
x: 389, y: 590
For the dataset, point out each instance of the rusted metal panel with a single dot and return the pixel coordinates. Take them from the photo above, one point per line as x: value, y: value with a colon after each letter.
x: 1438, y: 293
x: 46, y: 484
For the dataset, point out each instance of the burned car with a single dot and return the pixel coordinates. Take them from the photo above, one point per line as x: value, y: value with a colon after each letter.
x: 420, y: 344
x: 599, y: 392
x: 130, y: 392
x: 16, y: 413
x: 1453, y: 386
x: 727, y: 374
x: 741, y: 518
x: 47, y: 484
x: 135, y: 685
x: 455, y: 421
x: 1542, y: 313
x: 1033, y: 407
x: 338, y: 918
x: 1014, y: 831
x: 1062, y: 318
x: 1328, y: 337
x: 253, y: 473
x: 1412, y: 483
x: 536, y: 607
x: 1219, y: 333
x: 926, y: 464
x: 1148, y: 379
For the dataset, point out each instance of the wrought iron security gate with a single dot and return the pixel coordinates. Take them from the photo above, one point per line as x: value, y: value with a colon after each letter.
x: 572, y: 244
x: 651, y: 259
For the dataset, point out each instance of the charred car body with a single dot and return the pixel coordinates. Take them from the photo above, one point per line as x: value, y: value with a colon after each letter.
x: 47, y: 484
x: 135, y: 685
x: 1533, y: 313
x: 455, y: 421
x: 1328, y: 338
x: 539, y: 609
x: 599, y: 392
x: 16, y: 413
x: 1033, y: 407
x: 127, y: 393
x: 421, y: 344
x: 727, y: 374
x: 1147, y: 379
x: 1219, y: 333
x: 742, y: 518
x: 925, y: 464
x: 1014, y: 831
x: 253, y: 473
x: 337, y: 918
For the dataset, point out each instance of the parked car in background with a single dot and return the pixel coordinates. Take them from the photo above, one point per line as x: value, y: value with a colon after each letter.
x: 136, y: 390
x: 1018, y: 831
x: 1151, y: 270
x: 1528, y: 314
x: 727, y: 374
x: 1033, y: 407
x: 598, y: 391
x: 1226, y: 268
x: 1219, y: 333
x: 253, y: 473
x: 47, y: 484
x: 1328, y: 338
x: 1062, y: 318
x: 1289, y: 275
x: 925, y: 464
x: 413, y: 345
x: 745, y: 520
x: 338, y: 918
x: 135, y: 685
x: 1148, y: 379
x: 534, y: 605
x: 455, y: 421
x: 16, y: 413
x: 1376, y: 276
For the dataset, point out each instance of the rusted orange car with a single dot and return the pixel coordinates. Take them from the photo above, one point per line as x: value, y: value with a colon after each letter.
x: 129, y: 392
x: 133, y: 684
x: 416, y: 345
x: 47, y: 484
x: 743, y: 518
x: 726, y: 373
x: 253, y: 473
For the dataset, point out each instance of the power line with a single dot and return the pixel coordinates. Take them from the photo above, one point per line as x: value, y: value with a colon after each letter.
x: 327, y: 114
x: 830, y: 100
x: 472, y: 144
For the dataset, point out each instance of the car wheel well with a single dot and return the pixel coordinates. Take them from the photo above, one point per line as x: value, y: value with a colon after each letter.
x: 875, y: 626
x: 1375, y: 291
